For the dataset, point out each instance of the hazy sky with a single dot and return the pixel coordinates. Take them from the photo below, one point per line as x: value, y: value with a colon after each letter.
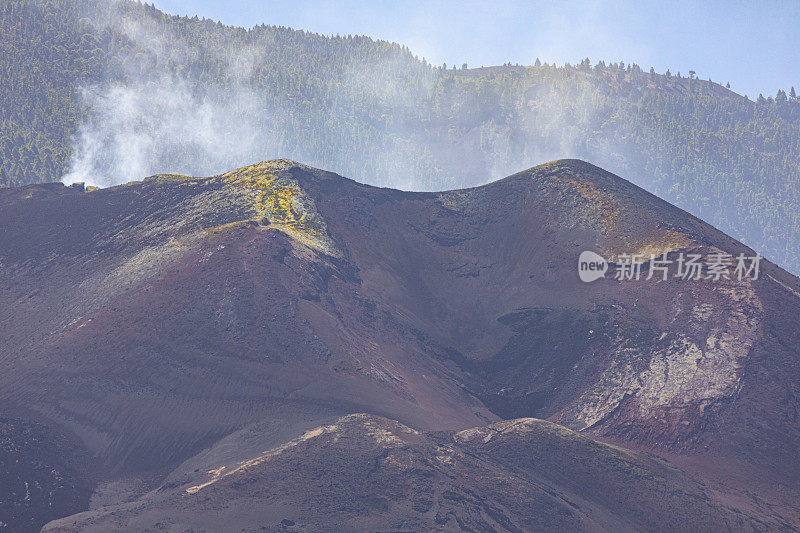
x: 754, y: 45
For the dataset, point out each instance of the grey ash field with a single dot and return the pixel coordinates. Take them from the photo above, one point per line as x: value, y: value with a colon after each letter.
x: 279, y: 348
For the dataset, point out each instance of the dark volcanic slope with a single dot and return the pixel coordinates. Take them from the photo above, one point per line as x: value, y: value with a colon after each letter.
x: 377, y: 474
x: 151, y: 320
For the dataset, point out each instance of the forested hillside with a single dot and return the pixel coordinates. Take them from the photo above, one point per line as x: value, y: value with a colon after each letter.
x: 107, y: 92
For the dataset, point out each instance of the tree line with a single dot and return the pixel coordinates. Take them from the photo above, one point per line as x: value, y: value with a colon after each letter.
x: 374, y: 112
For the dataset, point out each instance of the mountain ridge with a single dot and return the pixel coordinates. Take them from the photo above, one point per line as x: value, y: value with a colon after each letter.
x: 372, y: 111
x: 428, y: 471
x: 154, y: 322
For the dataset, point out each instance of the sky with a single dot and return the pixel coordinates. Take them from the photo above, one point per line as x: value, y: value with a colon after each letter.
x: 753, y: 45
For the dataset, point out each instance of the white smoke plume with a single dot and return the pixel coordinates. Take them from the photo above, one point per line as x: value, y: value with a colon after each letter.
x: 165, y: 127
x: 152, y: 119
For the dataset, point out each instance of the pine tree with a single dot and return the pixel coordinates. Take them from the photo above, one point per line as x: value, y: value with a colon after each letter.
x: 40, y: 110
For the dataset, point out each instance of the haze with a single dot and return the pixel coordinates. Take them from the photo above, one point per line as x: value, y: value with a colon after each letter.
x: 754, y: 46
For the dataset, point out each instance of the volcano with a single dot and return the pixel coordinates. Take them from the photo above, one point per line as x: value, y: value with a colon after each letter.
x: 279, y: 347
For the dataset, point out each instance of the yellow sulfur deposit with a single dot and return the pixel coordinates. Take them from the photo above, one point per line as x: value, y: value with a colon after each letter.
x: 281, y: 204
